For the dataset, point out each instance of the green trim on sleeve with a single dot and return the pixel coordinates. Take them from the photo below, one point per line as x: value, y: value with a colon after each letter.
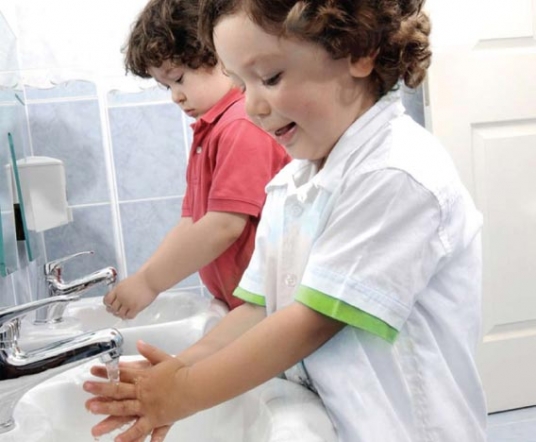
x: 341, y: 311
x: 252, y: 298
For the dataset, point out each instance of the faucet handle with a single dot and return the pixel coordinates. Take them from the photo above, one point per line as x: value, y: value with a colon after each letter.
x: 9, y: 314
x: 10, y: 333
x: 54, y: 267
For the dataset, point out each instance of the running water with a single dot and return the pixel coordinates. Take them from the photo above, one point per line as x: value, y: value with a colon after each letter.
x: 112, y: 368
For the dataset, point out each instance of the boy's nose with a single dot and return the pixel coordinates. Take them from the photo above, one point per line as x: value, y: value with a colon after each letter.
x: 256, y: 107
x: 178, y: 97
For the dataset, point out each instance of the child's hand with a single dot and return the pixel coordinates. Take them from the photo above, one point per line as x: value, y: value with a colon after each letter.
x: 156, y: 397
x: 129, y: 297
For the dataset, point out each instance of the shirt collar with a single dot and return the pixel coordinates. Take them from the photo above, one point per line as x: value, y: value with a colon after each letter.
x: 220, y: 107
x: 353, y: 139
x: 357, y: 136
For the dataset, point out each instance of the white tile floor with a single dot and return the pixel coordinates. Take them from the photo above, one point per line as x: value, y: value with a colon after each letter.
x: 513, y: 426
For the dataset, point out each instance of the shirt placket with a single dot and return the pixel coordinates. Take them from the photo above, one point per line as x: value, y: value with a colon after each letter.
x: 295, y: 247
x: 290, y: 251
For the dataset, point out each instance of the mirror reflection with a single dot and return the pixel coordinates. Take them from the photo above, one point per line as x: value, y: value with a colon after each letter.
x: 21, y: 225
x: 12, y: 111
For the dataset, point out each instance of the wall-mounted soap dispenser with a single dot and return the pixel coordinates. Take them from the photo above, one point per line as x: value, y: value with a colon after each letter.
x: 42, y: 182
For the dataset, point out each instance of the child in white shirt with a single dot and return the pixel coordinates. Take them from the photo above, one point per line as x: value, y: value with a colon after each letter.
x: 365, y: 280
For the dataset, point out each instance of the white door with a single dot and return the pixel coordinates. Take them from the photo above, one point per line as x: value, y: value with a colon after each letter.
x: 480, y: 100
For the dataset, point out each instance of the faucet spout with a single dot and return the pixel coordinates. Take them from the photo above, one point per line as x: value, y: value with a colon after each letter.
x: 106, y: 276
x: 51, y: 284
x: 20, y: 371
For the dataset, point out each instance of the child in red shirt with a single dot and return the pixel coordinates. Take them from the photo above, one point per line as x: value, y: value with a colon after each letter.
x: 230, y: 163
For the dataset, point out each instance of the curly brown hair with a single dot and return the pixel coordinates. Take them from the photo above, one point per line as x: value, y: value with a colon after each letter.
x: 396, y: 32
x: 166, y: 30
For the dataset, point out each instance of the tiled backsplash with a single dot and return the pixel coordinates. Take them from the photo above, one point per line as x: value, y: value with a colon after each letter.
x: 125, y: 158
x: 125, y: 161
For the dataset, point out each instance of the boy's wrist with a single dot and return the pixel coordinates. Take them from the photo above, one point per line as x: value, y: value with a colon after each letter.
x: 193, y: 396
x: 147, y: 282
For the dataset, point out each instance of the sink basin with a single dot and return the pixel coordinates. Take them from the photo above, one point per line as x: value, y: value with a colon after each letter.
x: 277, y: 411
x: 168, y: 307
x: 174, y: 321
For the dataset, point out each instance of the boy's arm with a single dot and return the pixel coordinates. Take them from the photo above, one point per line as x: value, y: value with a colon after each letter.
x: 231, y: 327
x: 190, y: 246
x: 266, y: 350
x: 185, y: 249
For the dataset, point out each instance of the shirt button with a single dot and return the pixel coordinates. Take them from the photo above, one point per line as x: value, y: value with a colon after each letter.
x: 290, y: 280
x: 198, y: 149
x: 296, y: 210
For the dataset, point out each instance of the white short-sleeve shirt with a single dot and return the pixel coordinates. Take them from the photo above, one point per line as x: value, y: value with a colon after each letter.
x: 386, y: 239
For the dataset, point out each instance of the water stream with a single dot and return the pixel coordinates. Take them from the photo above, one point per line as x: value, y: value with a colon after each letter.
x: 112, y: 368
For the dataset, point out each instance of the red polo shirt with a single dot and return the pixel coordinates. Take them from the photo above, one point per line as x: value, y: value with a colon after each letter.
x: 231, y: 161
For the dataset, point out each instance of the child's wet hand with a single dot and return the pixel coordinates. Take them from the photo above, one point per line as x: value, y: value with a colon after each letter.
x: 156, y: 397
x: 123, y: 424
x: 116, y: 425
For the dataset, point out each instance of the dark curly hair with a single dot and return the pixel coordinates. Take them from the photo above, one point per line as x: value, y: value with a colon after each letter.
x: 395, y: 31
x: 166, y: 30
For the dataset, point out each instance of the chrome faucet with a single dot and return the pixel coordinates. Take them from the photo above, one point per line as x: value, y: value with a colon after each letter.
x: 51, y: 284
x: 20, y: 371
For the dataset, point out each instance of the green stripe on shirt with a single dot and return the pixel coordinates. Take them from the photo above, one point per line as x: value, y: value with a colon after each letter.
x: 252, y: 298
x: 341, y: 311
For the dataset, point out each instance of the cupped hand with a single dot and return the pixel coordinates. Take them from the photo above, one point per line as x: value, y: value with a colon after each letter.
x: 130, y: 297
x: 155, y: 397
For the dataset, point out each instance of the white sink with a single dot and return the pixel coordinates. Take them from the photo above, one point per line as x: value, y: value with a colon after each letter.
x: 277, y: 411
x: 167, y: 307
x: 172, y: 322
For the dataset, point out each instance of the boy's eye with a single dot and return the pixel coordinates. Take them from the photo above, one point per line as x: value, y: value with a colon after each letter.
x: 179, y: 80
x: 272, y: 81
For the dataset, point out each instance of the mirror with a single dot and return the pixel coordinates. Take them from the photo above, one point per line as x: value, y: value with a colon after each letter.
x: 13, y: 111
x: 8, y: 240
x: 20, y: 213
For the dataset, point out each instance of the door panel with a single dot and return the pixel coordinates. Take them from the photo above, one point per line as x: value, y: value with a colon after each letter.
x: 481, y: 97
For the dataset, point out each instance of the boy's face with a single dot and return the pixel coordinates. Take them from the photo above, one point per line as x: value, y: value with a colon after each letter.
x: 294, y: 89
x: 194, y: 90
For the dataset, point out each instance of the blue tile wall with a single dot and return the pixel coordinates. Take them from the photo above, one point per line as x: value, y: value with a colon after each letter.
x: 69, y: 89
x: 145, y: 223
x: 148, y: 151
x: 414, y: 104
x: 71, y: 132
x: 7, y: 296
x: 122, y: 176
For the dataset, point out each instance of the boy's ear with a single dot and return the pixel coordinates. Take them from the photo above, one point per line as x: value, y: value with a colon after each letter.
x: 363, y: 66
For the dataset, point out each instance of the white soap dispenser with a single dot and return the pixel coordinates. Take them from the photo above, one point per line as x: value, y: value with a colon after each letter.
x: 44, y: 193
